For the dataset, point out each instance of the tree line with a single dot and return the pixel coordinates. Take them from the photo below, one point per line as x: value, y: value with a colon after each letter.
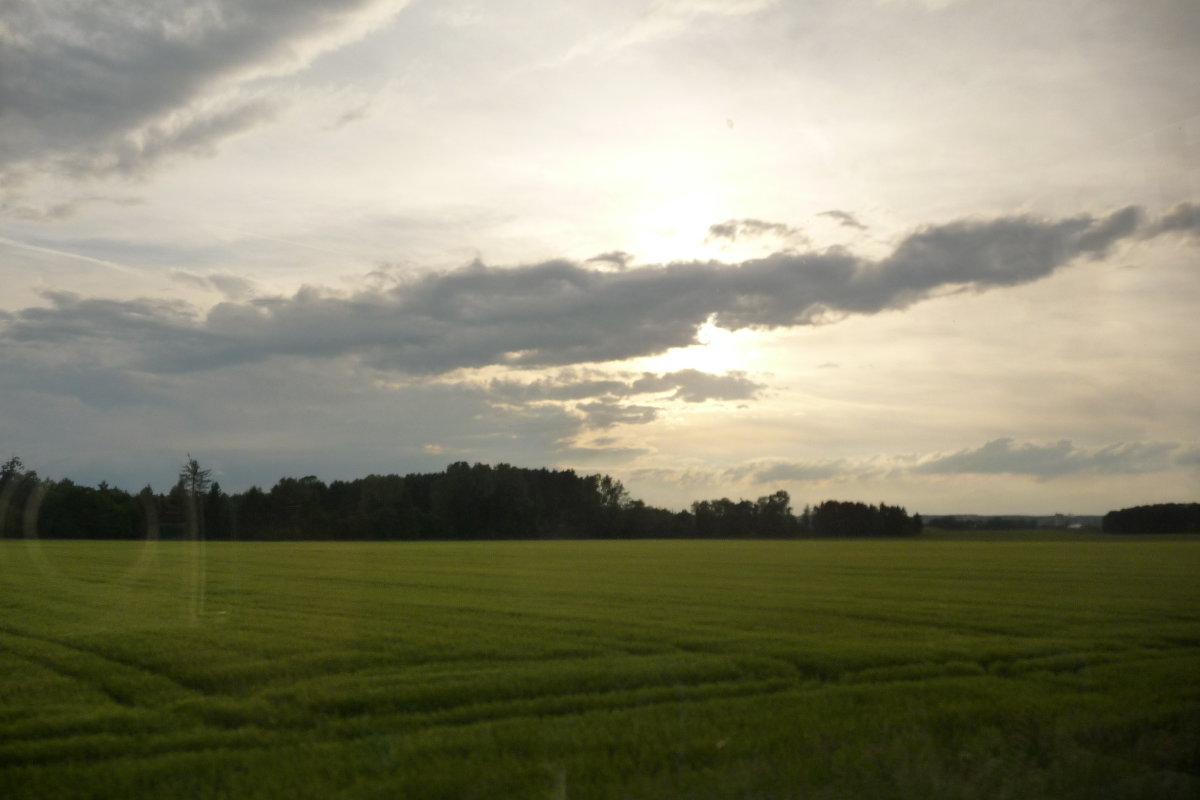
x: 1157, y: 518
x: 464, y: 501
x: 953, y: 523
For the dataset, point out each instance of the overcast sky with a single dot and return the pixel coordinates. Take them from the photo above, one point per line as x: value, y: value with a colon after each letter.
x: 938, y: 253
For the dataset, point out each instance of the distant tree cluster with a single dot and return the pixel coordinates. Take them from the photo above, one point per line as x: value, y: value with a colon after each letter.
x: 839, y: 519
x: 1159, y: 518
x: 464, y: 501
x: 952, y: 523
x: 769, y: 517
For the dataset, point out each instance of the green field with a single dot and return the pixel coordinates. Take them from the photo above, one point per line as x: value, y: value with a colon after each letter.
x: 661, y: 669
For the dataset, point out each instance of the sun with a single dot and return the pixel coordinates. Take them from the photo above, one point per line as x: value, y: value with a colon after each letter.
x: 676, y: 228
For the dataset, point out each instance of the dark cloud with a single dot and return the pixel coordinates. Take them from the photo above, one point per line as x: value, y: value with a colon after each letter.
x: 749, y: 228
x: 1004, y: 456
x: 74, y: 319
x: 191, y: 133
x: 606, y: 414
x: 569, y: 386
x: 981, y: 254
x: 687, y: 385
x: 1183, y: 218
x: 618, y: 258
x: 560, y: 313
x: 845, y: 218
x: 111, y: 87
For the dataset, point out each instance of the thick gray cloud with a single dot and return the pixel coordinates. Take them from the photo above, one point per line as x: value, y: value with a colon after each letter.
x: 115, y: 86
x: 1004, y: 456
x: 560, y: 313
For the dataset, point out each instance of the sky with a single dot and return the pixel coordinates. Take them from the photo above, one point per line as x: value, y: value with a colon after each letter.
x: 940, y: 253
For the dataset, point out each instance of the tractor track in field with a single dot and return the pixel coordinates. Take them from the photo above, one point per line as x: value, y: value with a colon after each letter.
x: 395, y: 724
x: 102, y: 663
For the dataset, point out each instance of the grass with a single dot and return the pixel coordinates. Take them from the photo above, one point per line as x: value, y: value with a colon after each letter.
x: 748, y: 669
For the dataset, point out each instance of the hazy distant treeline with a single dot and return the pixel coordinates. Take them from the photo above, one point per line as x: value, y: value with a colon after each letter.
x: 955, y: 523
x: 462, y: 502
x: 1159, y: 518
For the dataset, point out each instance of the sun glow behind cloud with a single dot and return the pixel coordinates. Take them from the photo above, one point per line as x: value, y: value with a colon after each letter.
x: 716, y: 351
x: 672, y: 227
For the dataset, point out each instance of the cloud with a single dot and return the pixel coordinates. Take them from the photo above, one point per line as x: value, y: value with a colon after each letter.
x: 257, y: 422
x: 234, y: 287
x: 606, y: 414
x: 1040, y: 461
x: 566, y: 386
x: 192, y: 132
x: 694, y: 386
x: 94, y: 89
x: 664, y: 19
x: 798, y: 471
x: 752, y: 228
x: 1183, y: 218
x: 61, y: 211
x: 349, y: 117
x: 618, y: 258
x: 1045, y: 461
x: 687, y: 385
x: 189, y: 278
x: 844, y: 218
x: 560, y: 313
x: 72, y: 318
x: 691, y: 479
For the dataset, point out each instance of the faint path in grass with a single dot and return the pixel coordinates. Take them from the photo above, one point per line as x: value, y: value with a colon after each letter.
x: 126, y: 683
